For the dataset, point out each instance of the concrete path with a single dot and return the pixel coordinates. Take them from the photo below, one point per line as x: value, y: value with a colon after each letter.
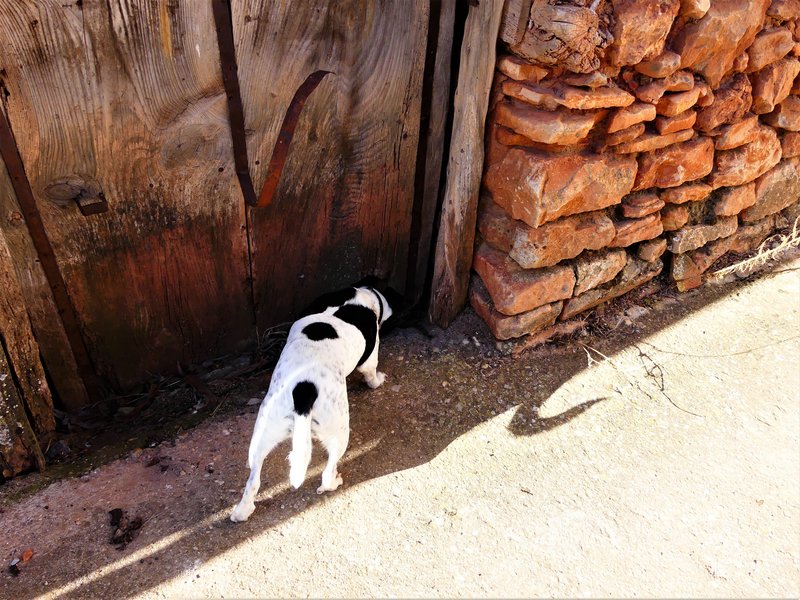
x: 662, y: 460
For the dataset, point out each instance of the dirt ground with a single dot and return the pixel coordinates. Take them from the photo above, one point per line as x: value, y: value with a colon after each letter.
x: 660, y: 459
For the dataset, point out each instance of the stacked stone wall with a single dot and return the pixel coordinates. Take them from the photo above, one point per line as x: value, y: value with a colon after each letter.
x: 627, y: 138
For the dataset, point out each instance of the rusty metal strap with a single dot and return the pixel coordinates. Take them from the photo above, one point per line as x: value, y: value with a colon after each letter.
x: 230, y: 79
x: 44, y: 250
x: 281, y: 149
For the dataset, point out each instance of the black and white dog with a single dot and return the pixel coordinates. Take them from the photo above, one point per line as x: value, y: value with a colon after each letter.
x: 308, y: 392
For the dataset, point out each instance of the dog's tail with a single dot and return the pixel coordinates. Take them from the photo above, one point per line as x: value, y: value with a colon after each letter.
x: 300, y: 455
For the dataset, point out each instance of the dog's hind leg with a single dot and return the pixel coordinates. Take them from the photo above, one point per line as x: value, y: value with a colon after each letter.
x: 335, y: 443
x: 262, y: 444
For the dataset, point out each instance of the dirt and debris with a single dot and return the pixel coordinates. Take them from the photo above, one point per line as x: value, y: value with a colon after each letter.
x: 124, y: 528
x: 16, y: 564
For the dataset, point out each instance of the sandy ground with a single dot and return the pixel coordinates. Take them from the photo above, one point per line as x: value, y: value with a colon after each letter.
x: 662, y: 460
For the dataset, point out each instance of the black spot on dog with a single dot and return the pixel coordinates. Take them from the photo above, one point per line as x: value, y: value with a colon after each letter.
x: 304, y: 394
x: 325, y: 301
x: 320, y: 331
x: 365, y: 321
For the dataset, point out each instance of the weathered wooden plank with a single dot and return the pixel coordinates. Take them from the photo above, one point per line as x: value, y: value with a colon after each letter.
x: 23, y: 387
x: 19, y: 450
x: 436, y: 90
x: 125, y: 98
x: 343, y: 207
x: 38, y: 300
x: 16, y: 337
x: 465, y: 164
x: 515, y: 20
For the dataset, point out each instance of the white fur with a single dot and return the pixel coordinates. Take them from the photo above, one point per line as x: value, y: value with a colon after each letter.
x: 325, y: 363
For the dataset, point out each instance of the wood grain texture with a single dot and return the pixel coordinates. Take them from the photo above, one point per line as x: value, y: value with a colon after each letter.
x: 38, y: 300
x: 465, y: 164
x: 23, y: 387
x: 126, y: 97
x: 515, y: 20
x: 19, y: 344
x: 343, y: 207
x: 19, y: 449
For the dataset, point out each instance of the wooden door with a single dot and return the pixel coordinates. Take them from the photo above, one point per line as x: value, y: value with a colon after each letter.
x: 119, y: 105
x: 124, y: 98
x: 343, y: 207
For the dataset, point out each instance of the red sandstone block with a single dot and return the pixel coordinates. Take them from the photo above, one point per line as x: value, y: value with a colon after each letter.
x: 731, y: 103
x: 651, y: 249
x: 630, y: 231
x: 775, y: 190
x: 637, y: 112
x: 635, y: 273
x: 773, y: 83
x: 654, y: 141
x: 515, y: 290
x: 505, y: 327
x: 537, y: 187
x: 674, y: 216
x: 737, y: 134
x: 790, y: 145
x: 636, y: 206
x: 745, y: 163
x: 734, y: 200
x: 676, y: 164
x: 685, y: 120
x: 594, y: 269
x: 692, y: 265
x: 688, y: 192
x: 548, y: 244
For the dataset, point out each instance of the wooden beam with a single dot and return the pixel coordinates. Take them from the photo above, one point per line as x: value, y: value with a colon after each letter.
x: 465, y: 165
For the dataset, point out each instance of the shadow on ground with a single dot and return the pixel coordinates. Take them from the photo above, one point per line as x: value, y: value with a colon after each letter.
x: 437, y: 389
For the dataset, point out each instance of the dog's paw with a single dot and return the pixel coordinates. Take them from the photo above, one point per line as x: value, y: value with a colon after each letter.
x: 376, y: 381
x: 330, y: 488
x: 242, y: 512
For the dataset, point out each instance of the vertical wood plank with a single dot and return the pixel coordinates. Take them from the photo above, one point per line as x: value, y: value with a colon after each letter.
x: 23, y: 388
x: 38, y: 300
x: 19, y: 449
x: 343, y: 207
x: 431, y: 146
x: 16, y: 337
x: 125, y: 98
x: 465, y: 164
x: 515, y: 20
